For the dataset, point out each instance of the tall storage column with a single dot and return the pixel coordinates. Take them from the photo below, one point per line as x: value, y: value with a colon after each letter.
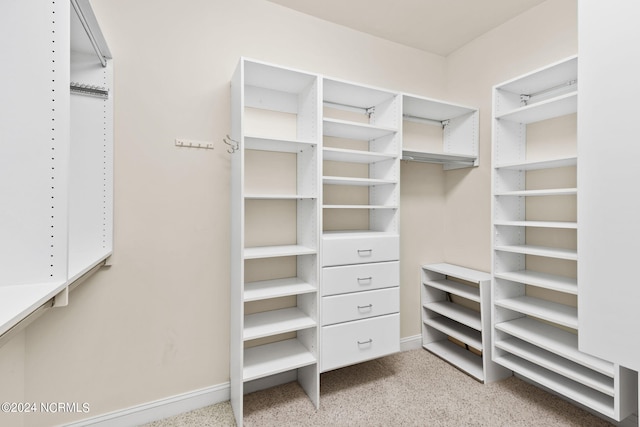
x: 275, y: 230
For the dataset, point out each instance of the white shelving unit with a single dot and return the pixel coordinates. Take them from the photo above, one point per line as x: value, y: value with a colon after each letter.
x: 535, y: 324
x: 459, y: 125
x: 56, y: 172
x: 271, y: 344
x: 456, y: 319
x: 360, y: 286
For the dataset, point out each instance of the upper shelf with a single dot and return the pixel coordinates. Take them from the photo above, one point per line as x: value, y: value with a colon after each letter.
x: 354, y: 130
x: 275, y: 144
x: 355, y: 156
x: 543, y: 110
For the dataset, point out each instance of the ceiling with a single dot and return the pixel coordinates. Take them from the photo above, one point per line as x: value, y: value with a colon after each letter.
x: 436, y: 26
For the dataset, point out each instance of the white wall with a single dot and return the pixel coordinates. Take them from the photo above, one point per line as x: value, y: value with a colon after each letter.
x: 156, y: 324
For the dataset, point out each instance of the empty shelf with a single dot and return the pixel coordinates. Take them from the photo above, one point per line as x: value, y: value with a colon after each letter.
x: 558, y: 364
x: 542, y: 280
x: 455, y: 288
x: 551, y: 311
x: 541, y: 164
x: 543, y: 110
x: 559, y: 253
x: 277, y: 251
x: 457, y: 356
x: 275, y: 322
x: 554, y: 340
x: 265, y: 289
x: 269, y: 359
x: 339, y: 180
x: 275, y: 144
x: 457, y: 312
x: 278, y: 197
x: 540, y: 224
x: 467, y: 335
x: 355, y: 156
x: 17, y: 302
x: 442, y: 158
x: 359, y: 207
x: 354, y: 130
x: 463, y: 273
x: 549, y: 192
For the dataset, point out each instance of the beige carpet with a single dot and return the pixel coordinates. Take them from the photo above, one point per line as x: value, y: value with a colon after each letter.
x: 413, y: 388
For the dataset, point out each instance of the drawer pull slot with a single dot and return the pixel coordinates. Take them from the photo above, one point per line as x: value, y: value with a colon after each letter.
x: 360, y: 307
x: 365, y: 279
x: 365, y: 252
x: 369, y: 341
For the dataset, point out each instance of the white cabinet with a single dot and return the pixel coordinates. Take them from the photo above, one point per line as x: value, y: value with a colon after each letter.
x: 360, y: 242
x: 534, y: 246
x: 56, y: 173
x: 275, y: 230
x: 456, y: 319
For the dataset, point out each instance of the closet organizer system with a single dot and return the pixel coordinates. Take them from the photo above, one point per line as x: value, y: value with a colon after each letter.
x: 315, y: 220
x: 55, y: 155
x: 534, y: 250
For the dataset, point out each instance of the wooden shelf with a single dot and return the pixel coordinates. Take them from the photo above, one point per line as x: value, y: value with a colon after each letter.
x: 569, y: 388
x: 461, y: 314
x: 558, y: 364
x: 546, y: 310
x: 279, y: 197
x: 458, y: 356
x: 266, y: 289
x: 467, y: 335
x: 270, y: 359
x: 540, y: 165
x: 359, y: 207
x: 277, y: 145
x: 277, y: 251
x: 456, y: 288
x: 17, y: 302
x: 275, y: 322
x: 464, y: 273
x: 567, y: 285
x: 569, y: 254
x: 554, y: 340
x: 533, y: 193
x: 540, y: 224
x: 440, y: 158
x: 354, y: 130
x: 355, y: 156
x: 543, y: 110
x: 361, y: 182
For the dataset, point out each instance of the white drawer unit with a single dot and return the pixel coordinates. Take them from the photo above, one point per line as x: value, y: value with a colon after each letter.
x: 360, y: 277
x: 360, y: 305
x: 357, y: 248
x: 353, y: 342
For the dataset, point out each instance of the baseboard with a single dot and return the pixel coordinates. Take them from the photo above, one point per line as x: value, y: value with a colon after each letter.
x: 159, y: 409
x: 178, y: 404
x: 411, y: 343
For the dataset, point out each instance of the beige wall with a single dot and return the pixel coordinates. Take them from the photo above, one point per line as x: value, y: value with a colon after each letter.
x: 156, y: 323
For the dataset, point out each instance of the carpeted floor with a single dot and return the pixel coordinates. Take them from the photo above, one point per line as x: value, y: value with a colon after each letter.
x: 412, y: 388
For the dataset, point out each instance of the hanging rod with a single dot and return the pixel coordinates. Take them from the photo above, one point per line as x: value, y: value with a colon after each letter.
x: 525, y: 97
x: 95, y: 91
x: 87, y: 29
x: 353, y: 108
x: 417, y: 119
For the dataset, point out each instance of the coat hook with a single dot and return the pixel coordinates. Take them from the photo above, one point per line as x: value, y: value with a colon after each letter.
x: 232, y: 143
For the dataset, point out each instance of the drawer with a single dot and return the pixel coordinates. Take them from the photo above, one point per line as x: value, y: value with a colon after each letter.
x: 360, y: 305
x: 358, y: 248
x: 353, y: 342
x: 360, y: 277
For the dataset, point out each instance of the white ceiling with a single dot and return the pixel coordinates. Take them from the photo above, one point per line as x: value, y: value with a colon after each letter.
x: 436, y: 26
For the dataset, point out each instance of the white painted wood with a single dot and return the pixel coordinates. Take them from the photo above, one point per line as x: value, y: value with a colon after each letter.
x: 553, y: 312
x: 542, y: 280
x: 560, y: 106
x: 359, y: 207
x: 266, y: 289
x: 539, y: 165
x: 455, y: 288
x: 559, y: 253
x: 360, y: 305
x: 608, y: 206
x: 355, y: 156
x: 275, y: 358
x: 275, y: 322
x: 457, y: 330
x: 459, y: 272
x: 277, y: 251
x: 554, y: 340
x: 456, y: 312
x: 352, y: 248
x: 533, y: 193
x: 360, y: 277
x: 458, y: 357
x: 366, y: 182
x: 276, y: 145
x: 353, y: 342
x: 354, y: 130
x: 543, y: 224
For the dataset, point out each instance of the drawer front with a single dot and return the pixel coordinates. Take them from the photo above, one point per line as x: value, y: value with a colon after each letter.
x: 358, y: 250
x: 353, y: 342
x: 360, y: 277
x: 360, y: 305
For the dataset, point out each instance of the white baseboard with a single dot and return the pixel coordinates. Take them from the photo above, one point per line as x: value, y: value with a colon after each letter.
x: 178, y: 404
x: 411, y: 343
x: 159, y: 409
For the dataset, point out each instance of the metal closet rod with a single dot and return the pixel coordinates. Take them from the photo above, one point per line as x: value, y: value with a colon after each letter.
x: 96, y: 91
x: 87, y: 29
x: 369, y: 110
x: 551, y: 89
